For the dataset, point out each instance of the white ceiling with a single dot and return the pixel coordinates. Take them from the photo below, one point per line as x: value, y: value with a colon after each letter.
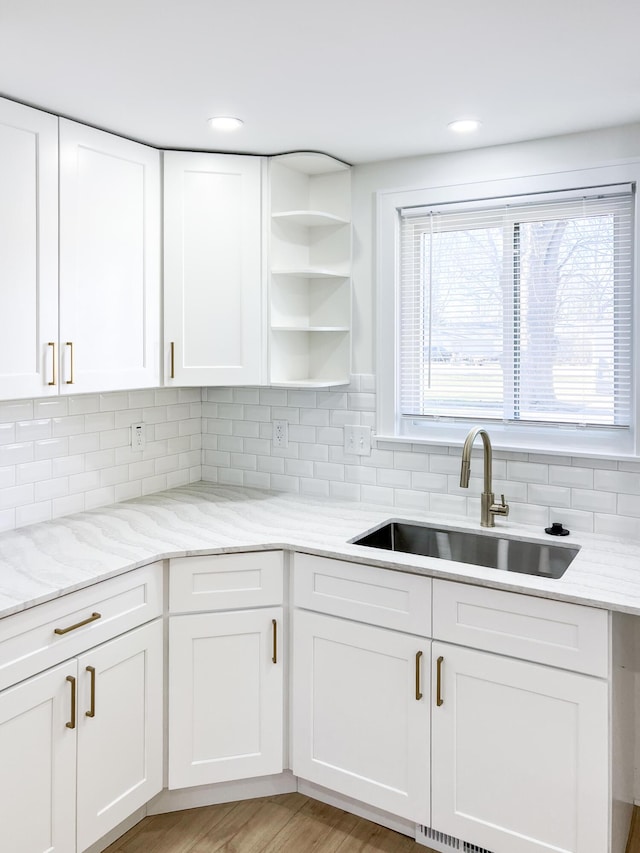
x: 360, y: 79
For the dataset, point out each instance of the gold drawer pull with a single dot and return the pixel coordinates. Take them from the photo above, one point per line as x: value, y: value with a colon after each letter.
x: 439, y: 699
x: 274, y: 625
x: 52, y: 344
x: 418, y: 691
x: 70, y: 345
x: 92, y: 710
x: 91, y: 618
x: 72, y: 722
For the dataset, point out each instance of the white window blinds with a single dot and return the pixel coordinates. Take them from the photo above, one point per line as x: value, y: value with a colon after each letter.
x: 518, y: 310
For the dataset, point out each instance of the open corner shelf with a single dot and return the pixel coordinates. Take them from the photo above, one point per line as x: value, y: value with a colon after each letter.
x: 310, y: 281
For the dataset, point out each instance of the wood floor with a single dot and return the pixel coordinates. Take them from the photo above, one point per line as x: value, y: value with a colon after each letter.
x: 288, y: 823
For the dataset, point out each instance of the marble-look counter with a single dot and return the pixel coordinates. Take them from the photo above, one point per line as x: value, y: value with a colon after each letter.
x: 40, y: 562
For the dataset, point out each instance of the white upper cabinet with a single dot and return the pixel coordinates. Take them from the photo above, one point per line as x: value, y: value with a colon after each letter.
x: 109, y: 261
x: 213, y: 269
x: 28, y: 251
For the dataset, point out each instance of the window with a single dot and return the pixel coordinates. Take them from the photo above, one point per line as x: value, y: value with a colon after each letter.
x: 515, y: 312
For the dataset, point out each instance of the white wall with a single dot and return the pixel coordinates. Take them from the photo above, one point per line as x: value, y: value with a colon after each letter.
x: 557, y: 154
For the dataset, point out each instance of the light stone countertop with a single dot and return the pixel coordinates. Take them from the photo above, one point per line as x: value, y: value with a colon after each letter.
x: 46, y: 560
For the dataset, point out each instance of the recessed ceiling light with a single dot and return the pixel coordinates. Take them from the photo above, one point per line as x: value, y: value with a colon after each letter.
x: 464, y: 125
x: 225, y: 123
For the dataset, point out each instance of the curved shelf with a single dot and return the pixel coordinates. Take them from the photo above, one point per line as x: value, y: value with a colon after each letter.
x: 308, y: 272
x: 309, y: 383
x: 300, y: 328
x: 310, y: 218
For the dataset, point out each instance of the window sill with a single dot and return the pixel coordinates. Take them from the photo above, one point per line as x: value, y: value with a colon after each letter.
x: 560, y: 442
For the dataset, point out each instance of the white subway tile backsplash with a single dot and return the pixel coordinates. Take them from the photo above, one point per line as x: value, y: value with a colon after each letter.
x: 62, y: 455
x: 317, y: 488
x: 528, y: 472
x: 616, y: 525
x: 302, y: 399
x: 67, y: 505
x: 33, y: 430
x: 142, y: 399
x: 285, y: 483
x: 569, y: 475
x: 99, y: 497
x: 52, y: 407
x: 256, y: 480
x: 617, y: 481
x: 7, y: 433
x: 72, y: 425
x: 111, y: 402
x: 14, y: 454
x: 20, y: 410
x: 344, y: 491
x: 549, y: 495
x: 7, y: 476
x: 298, y: 467
x: 328, y: 470
x: 16, y: 496
x: 393, y: 478
x: 629, y: 505
x: 574, y: 519
x: 32, y: 472
x: 593, y: 501
x: 48, y: 489
x: 33, y: 513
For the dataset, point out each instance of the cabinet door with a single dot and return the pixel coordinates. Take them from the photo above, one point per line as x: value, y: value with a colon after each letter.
x: 225, y: 696
x: 28, y: 251
x: 213, y: 270
x: 120, y: 731
x: 109, y: 261
x: 38, y: 767
x: 360, y: 723
x: 519, y: 755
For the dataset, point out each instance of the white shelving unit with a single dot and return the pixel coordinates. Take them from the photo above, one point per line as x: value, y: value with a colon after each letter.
x: 310, y: 280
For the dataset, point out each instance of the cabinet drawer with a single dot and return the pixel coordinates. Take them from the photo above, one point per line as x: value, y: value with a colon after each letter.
x: 382, y: 597
x: 29, y: 642
x: 225, y: 581
x: 538, y: 629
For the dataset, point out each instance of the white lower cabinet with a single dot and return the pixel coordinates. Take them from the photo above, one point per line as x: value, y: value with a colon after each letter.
x: 119, y: 730
x: 38, y: 767
x: 225, y: 696
x: 361, y: 712
x: 520, y: 754
x: 81, y: 745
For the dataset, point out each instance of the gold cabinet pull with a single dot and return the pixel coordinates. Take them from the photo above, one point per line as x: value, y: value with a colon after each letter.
x: 70, y: 345
x: 274, y: 626
x: 92, y: 710
x: 52, y: 344
x: 72, y: 722
x: 172, y: 374
x: 91, y: 618
x: 418, y: 691
x: 439, y: 699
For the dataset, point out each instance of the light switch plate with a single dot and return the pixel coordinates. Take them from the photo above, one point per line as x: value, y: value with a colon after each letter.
x: 357, y: 440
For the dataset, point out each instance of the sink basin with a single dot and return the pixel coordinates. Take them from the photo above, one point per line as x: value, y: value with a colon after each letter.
x: 478, y: 549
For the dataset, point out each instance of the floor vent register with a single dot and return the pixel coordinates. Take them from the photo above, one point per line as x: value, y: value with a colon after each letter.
x: 440, y: 842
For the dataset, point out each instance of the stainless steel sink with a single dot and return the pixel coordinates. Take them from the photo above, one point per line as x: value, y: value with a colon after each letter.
x: 493, y: 552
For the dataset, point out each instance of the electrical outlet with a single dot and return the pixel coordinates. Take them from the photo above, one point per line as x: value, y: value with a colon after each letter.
x: 357, y: 440
x: 280, y: 435
x: 138, y: 437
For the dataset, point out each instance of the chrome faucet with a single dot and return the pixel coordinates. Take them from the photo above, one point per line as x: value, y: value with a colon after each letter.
x: 488, y: 507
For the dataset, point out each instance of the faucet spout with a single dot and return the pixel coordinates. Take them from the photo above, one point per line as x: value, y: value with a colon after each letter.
x: 488, y: 507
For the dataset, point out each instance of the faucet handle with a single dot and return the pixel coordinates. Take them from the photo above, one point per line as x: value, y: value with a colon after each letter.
x: 500, y: 509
